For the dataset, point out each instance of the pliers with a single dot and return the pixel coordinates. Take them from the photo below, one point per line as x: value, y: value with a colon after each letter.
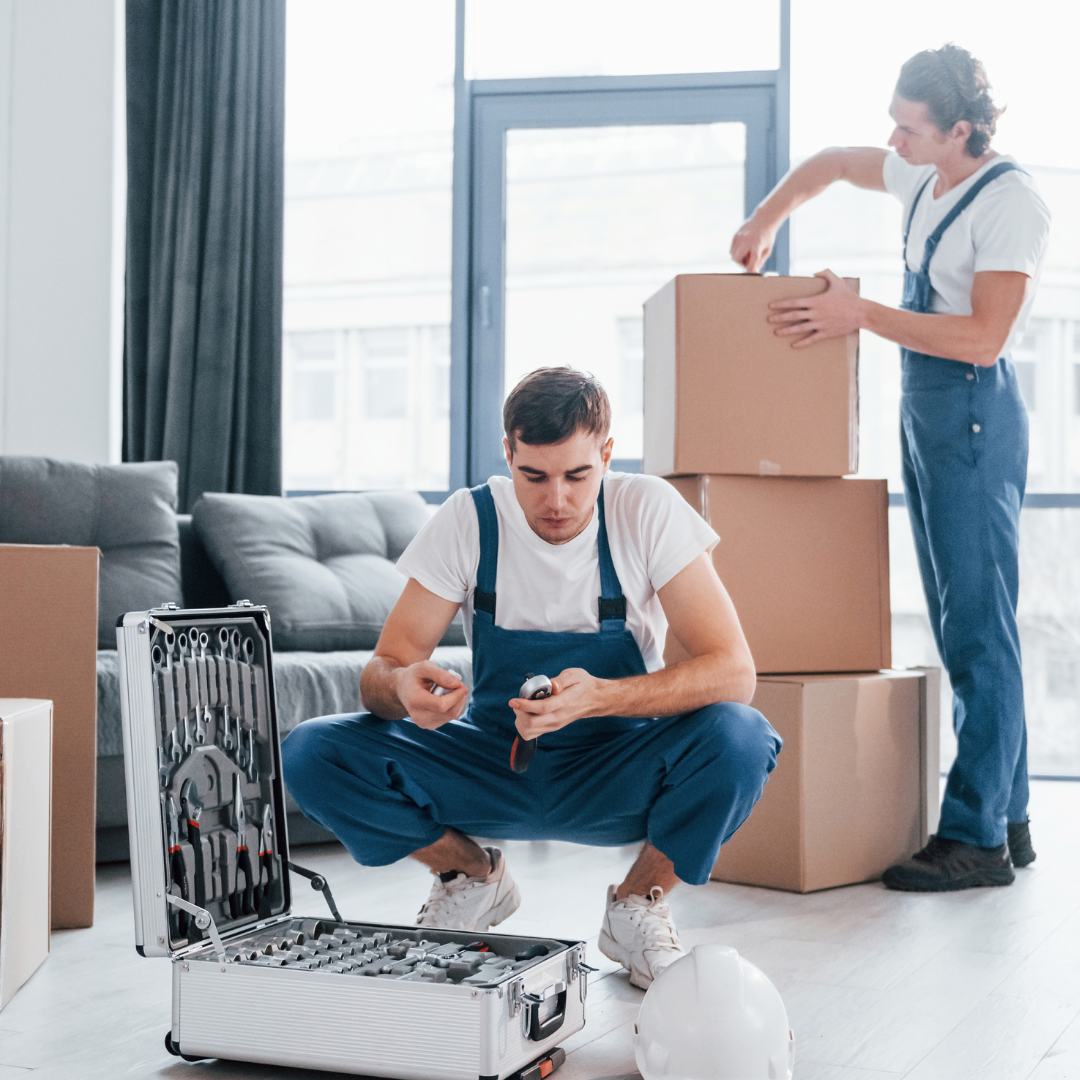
x: 193, y: 808
x: 266, y: 862
x: 241, y: 903
x: 177, y: 869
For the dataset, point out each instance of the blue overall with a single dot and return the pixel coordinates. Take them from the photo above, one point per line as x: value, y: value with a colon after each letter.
x: 386, y: 788
x: 964, y: 441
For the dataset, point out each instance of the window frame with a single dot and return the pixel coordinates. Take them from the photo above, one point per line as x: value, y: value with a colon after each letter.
x: 486, y: 107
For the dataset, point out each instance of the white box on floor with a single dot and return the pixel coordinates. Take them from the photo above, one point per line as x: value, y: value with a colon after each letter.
x: 26, y: 809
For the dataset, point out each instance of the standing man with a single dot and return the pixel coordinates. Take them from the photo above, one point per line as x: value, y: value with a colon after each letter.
x: 567, y: 570
x: 975, y: 231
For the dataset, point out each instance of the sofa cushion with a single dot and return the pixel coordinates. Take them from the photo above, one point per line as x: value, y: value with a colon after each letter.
x: 322, y: 564
x: 128, y: 511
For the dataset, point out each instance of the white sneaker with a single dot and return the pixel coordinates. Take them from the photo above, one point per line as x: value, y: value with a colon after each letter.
x: 639, y: 934
x: 472, y: 903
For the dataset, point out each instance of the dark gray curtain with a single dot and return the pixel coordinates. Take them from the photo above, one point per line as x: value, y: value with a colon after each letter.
x: 202, y: 356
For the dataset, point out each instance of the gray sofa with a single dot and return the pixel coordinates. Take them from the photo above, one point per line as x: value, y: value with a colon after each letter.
x: 323, y: 565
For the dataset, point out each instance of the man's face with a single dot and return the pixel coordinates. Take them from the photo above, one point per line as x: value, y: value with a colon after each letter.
x: 557, y: 485
x: 917, y: 138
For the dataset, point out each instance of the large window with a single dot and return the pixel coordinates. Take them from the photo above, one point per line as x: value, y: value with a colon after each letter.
x: 841, y: 88
x: 368, y: 191
x: 473, y: 192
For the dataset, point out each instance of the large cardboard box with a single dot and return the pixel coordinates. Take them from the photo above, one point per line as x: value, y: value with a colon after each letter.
x: 855, y: 788
x: 25, y: 810
x: 48, y: 649
x: 806, y: 562
x: 724, y: 394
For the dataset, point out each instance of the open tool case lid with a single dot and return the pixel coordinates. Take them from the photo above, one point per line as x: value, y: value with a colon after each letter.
x: 203, y: 678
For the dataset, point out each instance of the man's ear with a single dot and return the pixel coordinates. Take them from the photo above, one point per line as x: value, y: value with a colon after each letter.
x: 508, y: 452
x: 961, y: 130
x: 606, y: 451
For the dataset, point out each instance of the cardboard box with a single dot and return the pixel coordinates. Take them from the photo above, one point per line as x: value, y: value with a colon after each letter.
x: 855, y: 788
x: 48, y: 649
x: 724, y: 394
x: 806, y: 562
x: 25, y: 806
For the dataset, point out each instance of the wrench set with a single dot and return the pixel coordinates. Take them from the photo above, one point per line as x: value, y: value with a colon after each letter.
x: 212, y: 891
x: 213, y: 710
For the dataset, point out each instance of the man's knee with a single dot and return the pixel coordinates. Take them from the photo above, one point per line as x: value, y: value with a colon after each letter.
x: 738, y: 737
x: 304, y: 758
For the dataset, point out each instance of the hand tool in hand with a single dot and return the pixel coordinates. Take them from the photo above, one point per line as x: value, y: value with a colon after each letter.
x: 177, y: 869
x: 193, y: 808
x: 241, y: 903
x: 521, y: 753
x: 266, y: 862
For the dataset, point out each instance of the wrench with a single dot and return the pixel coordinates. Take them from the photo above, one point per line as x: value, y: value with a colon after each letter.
x: 203, y: 719
x: 163, y: 677
x: 252, y: 766
x: 182, y: 702
x: 223, y: 665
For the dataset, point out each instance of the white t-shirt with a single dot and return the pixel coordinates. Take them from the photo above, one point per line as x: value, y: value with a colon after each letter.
x: 652, y: 531
x: 1004, y: 228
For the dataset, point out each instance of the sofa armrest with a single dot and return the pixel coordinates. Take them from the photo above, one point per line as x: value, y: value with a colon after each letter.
x: 203, y: 585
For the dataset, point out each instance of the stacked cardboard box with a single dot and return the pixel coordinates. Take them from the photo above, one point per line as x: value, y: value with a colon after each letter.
x: 758, y: 437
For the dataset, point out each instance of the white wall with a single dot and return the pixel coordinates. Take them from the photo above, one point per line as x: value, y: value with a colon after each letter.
x: 62, y: 213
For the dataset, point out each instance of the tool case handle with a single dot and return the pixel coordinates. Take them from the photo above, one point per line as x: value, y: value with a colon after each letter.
x: 536, y: 1029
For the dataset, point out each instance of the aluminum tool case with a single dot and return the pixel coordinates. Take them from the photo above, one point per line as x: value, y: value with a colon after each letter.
x: 251, y: 981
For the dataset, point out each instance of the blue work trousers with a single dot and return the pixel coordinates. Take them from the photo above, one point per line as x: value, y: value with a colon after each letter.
x: 964, y: 439
x: 386, y: 788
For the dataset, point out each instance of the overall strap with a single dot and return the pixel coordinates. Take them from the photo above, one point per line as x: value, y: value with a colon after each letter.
x: 933, y: 239
x: 911, y: 215
x: 484, y: 593
x: 612, y: 603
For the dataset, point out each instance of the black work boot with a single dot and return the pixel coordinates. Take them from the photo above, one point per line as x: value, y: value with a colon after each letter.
x: 944, y: 865
x: 1023, y: 854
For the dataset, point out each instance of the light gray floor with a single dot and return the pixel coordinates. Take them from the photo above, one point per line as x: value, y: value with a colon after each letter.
x: 878, y: 985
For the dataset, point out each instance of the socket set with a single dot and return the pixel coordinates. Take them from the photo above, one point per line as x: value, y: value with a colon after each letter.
x: 344, y: 949
x: 211, y: 883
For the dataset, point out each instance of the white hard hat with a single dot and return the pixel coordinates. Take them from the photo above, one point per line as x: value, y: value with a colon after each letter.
x: 711, y: 1015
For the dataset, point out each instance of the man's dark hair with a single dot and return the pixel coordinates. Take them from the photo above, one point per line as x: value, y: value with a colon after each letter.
x: 551, y: 404
x: 953, y: 86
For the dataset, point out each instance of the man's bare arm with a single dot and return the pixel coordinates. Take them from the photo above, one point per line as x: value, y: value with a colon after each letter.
x: 862, y: 166
x: 718, y: 667
x: 997, y: 297
x: 400, y: 678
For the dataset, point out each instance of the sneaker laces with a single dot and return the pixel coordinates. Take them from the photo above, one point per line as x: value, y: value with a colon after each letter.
x: 653, y: 921
x: 446, y: 896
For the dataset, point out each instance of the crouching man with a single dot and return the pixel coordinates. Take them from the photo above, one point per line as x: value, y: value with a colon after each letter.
x: 570, y: 571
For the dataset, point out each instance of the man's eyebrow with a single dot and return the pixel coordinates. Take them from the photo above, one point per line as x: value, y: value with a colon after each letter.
x: 579, y: 468
x: 534, y: 472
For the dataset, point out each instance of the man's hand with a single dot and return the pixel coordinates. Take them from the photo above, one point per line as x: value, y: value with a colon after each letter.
x: 574, y: 694
x: 753, y: 244
x: 836, y: 312
x: 415, y: 686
